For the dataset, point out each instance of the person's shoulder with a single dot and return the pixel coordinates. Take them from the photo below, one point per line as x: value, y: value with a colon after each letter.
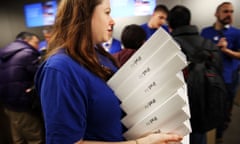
x: 30, y: 51
x: 234, y: 30
x: 144, y: 25
x: 207, y: 31
x: 208, y: 28
x: 166, y: 28
x: 62, y: 62
x: 24, y: 46
x: 19, y: 47
x: 59, y: 61
x: 42, y: 45
x: 16, y: 45
x: 116, y: 41
x: 43, y: 42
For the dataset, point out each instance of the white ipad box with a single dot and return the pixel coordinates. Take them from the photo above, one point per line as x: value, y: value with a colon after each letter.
x: 186, y: 108
x: 149, y: 48
x: 156, y: 120
x: 184, y: 130
x: 160, y: 57
x: 148, y: 72
x: 143, y: 98
x: 152, y: 90
x: 171, y: 106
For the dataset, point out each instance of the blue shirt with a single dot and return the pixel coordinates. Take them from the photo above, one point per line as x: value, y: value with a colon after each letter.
x: 76, y: 103
x: 232, y: 35
x: 42, y: 45
x: 113, y: 47
x: 149, y: 31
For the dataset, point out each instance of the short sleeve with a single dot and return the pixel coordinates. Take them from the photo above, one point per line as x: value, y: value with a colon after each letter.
x: 64, y: 107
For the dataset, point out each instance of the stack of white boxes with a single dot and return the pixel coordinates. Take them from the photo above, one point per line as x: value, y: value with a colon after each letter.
x: 152, y: 90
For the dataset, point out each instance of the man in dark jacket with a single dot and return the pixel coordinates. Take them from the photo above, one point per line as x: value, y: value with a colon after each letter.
x: 206, y: 101
x: 18, y: 63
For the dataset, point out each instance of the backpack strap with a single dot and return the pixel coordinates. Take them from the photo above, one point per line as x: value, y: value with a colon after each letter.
x: 215, y: 57
x: 194, y: 54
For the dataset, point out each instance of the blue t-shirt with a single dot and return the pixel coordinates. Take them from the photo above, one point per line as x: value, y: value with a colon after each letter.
x: 115, y: 46
x: 42, y: 45
x: 150, y: 31
x: 76, y: 103
x: 232, y: 35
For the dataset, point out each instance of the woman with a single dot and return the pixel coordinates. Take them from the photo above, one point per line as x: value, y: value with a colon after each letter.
x: 77, y: 104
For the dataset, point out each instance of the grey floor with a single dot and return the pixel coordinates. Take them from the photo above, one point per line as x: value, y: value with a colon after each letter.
x: 232, y: 134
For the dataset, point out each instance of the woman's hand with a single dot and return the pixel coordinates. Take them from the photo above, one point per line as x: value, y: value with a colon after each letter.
x: 159, y: 138
x: 154, y: 138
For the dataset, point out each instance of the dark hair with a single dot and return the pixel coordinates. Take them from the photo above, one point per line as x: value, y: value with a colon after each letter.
x: 179, y: 16
x: 25, y: 35
x: 133, y: 36
x: 161, y: 8
x: 72, y: 31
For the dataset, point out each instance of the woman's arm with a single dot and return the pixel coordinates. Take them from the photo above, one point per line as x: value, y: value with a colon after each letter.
x: 155, y: 138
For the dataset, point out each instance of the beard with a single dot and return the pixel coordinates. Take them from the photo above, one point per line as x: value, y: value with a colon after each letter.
x: 225, y: 21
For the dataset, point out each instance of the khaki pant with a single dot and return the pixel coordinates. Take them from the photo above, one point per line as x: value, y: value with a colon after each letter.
x: 5, y: 135
x: 25, y: 127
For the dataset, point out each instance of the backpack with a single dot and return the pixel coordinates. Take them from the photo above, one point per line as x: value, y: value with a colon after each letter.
x: 206, y: 88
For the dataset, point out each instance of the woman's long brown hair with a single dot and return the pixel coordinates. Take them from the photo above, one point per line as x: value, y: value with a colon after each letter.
x: 72, y: 31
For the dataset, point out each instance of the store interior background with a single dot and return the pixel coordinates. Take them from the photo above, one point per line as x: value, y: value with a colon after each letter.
x: 12, y: 20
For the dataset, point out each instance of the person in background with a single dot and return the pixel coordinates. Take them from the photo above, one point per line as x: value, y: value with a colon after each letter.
x: 132, y: 38
x: 18, y: 64
x: 47, y: 35
x: 193, y: 46
x: 227, y: 38
x: 157, y: 19
x: 78, y: 105
x: 112, y: 45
